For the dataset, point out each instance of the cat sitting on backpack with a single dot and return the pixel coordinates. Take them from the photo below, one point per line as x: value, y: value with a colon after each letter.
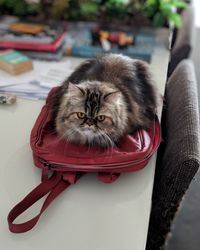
x: 104, y: 99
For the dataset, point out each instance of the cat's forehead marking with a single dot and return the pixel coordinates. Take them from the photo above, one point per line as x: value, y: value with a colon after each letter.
x: 92, y: 102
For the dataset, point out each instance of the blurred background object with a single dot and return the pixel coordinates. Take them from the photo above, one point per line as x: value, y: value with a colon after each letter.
x: 144, y: 12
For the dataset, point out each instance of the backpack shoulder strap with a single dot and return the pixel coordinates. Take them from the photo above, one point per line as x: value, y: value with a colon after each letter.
x: 53, y: 187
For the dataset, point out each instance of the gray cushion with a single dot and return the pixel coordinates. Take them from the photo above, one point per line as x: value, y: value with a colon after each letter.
x: 185, y: 229
x: 181, y: 157
x: 184, y: 40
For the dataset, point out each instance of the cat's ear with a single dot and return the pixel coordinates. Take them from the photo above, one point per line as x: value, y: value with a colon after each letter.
x: 112, y: 96
x: 73, y: 88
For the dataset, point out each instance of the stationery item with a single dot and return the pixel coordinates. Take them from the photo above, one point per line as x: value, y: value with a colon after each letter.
x: 14, y: 62
x: 51, y: 47
x: 31, y: 89
x: 26, y: 38
x: 36, y: 84
x: 26, y: 28
x: 116, y: 37
x: 49, y: 56
x: 6, y: 98
x: 105, y: 45
x: 90, y: 40
x: 63, y: 163
x: 31, y: 36
x: 53, y: 77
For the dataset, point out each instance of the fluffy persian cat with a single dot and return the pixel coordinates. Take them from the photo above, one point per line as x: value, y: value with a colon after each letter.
x: 103, y: 99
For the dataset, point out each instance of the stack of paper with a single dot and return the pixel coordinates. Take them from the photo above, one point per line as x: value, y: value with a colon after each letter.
x: 37, y: 83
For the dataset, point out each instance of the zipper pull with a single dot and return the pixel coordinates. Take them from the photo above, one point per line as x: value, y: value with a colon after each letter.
x: 47, y: 165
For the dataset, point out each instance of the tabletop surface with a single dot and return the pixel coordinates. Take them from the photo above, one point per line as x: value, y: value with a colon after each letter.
x: 89, y: 215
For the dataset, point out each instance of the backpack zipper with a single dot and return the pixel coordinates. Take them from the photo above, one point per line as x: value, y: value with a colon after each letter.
x: 53, y: 165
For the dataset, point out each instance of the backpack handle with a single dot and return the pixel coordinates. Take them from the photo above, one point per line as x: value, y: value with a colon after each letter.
x: 54, y: 186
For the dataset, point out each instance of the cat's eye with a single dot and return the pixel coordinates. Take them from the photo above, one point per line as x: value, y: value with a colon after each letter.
x: 101, y: 118
x: 80, y: 115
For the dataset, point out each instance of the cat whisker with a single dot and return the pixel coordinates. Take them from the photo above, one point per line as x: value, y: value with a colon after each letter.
x: 90, y: 144
x: 104, y: 139
x: 112, y: 144
x: 68, y: 134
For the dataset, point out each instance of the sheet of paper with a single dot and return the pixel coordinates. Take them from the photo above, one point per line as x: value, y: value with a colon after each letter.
x: 31, y: 87
x: 39, y: 73
x: 38, y: 81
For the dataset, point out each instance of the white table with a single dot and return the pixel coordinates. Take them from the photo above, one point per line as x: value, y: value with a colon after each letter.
x: 88, y: 216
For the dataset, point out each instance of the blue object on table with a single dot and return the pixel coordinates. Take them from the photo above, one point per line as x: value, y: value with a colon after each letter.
x: 143, y: 48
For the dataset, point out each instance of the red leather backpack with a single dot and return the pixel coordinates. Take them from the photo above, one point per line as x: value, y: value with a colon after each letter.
x: 62, y: 163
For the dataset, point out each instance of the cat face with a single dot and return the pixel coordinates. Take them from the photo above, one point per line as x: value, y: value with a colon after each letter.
x: 92, y: 113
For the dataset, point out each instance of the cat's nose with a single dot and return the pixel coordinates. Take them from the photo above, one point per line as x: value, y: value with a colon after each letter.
x: 89, y: 122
